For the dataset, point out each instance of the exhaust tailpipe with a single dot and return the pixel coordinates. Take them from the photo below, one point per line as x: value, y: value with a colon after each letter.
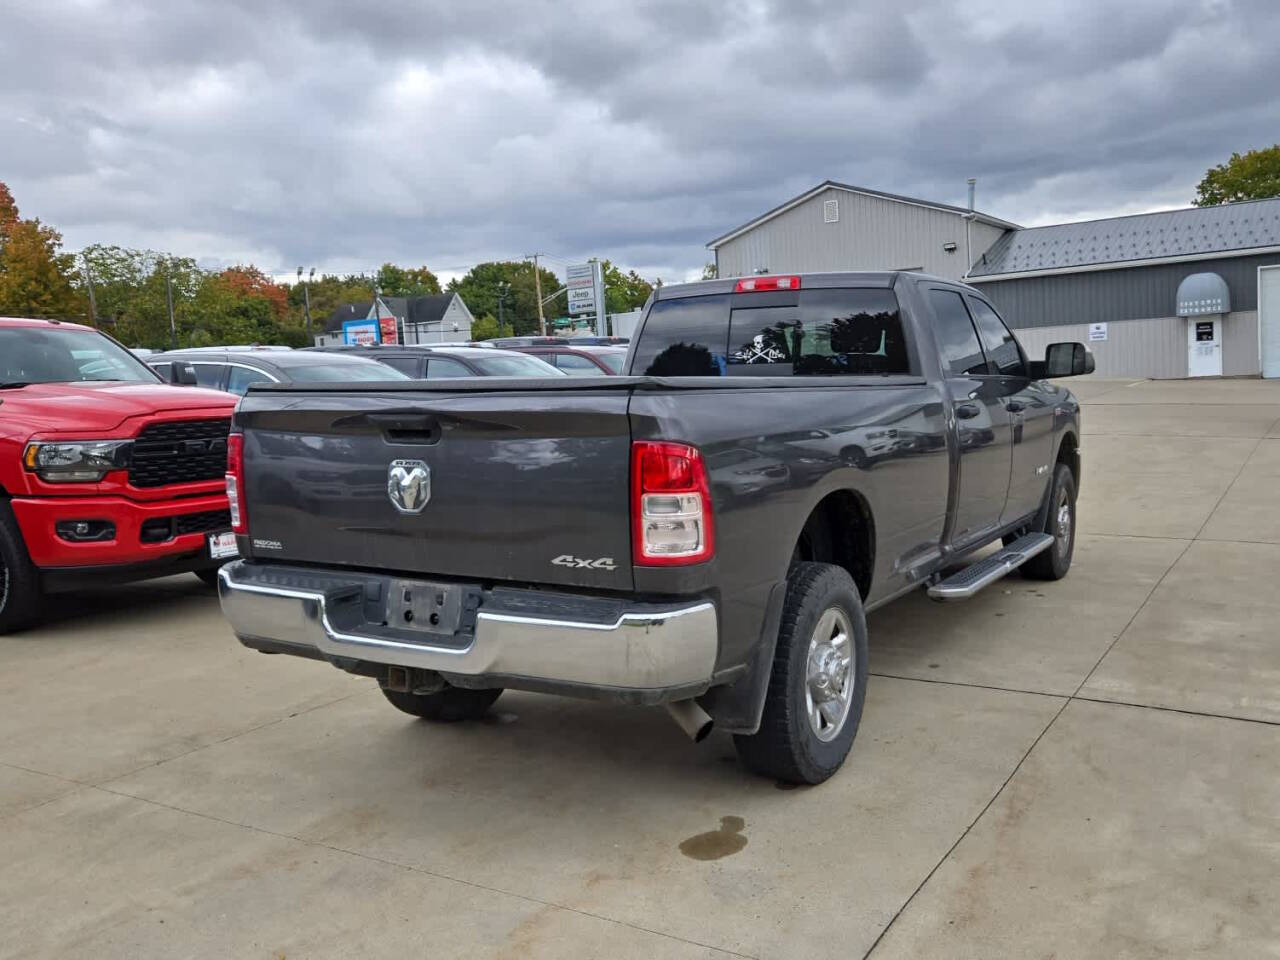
x: 691, y: 718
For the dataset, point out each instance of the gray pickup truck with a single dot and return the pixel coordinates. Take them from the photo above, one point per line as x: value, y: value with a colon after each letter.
x: 706, y: 532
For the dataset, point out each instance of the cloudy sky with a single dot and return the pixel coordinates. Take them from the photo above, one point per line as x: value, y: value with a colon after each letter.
x: 446, y: 133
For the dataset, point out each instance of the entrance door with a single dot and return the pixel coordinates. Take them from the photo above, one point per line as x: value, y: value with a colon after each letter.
x: 1269, y: 319
x: 1204, y: 346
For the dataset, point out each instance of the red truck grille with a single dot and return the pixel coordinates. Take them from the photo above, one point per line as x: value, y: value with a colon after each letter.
x: 181, y: 452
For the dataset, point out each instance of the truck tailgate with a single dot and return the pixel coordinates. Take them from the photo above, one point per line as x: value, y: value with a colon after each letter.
x: 524, y: 486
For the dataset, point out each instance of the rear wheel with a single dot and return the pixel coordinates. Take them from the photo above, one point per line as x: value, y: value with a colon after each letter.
x: 444, y: 706
x: 819, y: 680
x: 1054, y: 563
x: 19, y: 579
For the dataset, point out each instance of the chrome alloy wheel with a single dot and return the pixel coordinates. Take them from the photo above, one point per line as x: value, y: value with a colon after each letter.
x: 1062, y: 532
x: 830, y: 674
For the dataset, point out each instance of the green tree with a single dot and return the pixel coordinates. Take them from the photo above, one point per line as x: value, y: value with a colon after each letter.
x: 623, y: 292
x: 1249, y: 176
x: 406, y: 282
x: 484, y: 328
x: 709, y: 272
x: 479, y: 289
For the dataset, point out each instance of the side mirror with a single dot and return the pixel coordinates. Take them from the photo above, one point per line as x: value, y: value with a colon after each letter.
x: 1067, y: 360
x: 184, y: 374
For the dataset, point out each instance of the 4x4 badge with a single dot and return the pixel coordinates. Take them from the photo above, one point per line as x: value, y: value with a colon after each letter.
x: 582, y: 563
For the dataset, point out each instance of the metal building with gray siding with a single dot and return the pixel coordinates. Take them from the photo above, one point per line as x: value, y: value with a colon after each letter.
x: 1114, y: 283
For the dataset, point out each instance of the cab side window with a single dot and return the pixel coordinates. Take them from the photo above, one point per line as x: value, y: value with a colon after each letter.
x: 1001, y: 345
x: 958, y: 344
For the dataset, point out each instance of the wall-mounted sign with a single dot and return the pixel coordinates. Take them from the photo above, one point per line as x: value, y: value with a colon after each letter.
x: 1204, y: 331
x: 1097, y: 331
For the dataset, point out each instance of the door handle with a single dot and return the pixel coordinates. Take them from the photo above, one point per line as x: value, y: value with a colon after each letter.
x: 1015, y: 406
x: 967, y: 411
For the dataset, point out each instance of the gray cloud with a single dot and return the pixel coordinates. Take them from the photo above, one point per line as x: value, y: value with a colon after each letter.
x: 446, y: 133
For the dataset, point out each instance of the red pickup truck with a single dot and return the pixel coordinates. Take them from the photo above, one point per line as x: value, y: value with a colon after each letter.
x: 106, y: 473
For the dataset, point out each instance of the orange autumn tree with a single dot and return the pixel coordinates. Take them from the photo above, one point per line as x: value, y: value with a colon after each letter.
x: 249, y: 281
x: 35, y: 275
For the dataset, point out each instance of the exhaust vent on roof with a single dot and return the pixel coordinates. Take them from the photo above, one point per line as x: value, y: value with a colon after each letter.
x: 830, y: 211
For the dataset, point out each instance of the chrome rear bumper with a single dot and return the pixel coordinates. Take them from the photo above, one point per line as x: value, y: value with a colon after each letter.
x: 643, y: 646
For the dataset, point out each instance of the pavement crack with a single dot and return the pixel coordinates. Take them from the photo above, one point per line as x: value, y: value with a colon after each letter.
x: 320, y: 844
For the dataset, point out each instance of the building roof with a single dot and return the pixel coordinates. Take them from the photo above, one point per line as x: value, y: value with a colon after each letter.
x: 1193, y: 233
x: 359, y: 309
x: 832, y: 184
x: 429, y: 309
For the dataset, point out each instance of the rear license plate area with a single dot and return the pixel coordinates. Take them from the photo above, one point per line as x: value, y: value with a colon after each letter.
x: 424, y: 607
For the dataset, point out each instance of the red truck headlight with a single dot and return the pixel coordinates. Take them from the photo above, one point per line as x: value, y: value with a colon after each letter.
x: 670, y: 505
x: 76, y: 461
x: 235, y: 483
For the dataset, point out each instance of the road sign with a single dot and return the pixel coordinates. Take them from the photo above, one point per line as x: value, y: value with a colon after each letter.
x: 581, y: 279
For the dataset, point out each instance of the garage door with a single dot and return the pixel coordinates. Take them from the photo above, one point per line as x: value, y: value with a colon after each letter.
x: 1269, y: 319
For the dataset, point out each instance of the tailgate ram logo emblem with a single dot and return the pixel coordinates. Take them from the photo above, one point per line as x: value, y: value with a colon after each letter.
x: 408, y: 485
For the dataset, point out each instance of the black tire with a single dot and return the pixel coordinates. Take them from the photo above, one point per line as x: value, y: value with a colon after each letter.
x: 209, y: 575
x: 444, y: 706
x: 19, y: 580
x: 1054, y: 563
x: 787, y: 746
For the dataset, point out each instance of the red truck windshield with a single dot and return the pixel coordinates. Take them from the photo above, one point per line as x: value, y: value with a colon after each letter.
x: 38, y: 355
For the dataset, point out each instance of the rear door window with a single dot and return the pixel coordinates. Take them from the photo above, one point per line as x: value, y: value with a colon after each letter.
x: 577, y: 366
x: 441, y: 368
x: 406, y: 365
x: 209, y: 375
x: 958, y: 344
x: 240, y: 377
x: 1001, y: 345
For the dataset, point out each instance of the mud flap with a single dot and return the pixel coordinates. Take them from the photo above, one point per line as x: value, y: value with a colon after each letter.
x: 737, y: 708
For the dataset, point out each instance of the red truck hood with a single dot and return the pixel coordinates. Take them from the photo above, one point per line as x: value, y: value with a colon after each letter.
x: 93, y: 408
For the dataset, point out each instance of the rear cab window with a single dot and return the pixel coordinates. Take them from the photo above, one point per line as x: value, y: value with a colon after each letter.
x: 850, y: 331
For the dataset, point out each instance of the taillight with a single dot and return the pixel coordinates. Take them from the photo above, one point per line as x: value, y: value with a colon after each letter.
x: 670, y: 505
x: 235, y: 483
x: 757, y: 284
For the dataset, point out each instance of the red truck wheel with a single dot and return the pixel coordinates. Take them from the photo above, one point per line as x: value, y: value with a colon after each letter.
x: 19, y: 581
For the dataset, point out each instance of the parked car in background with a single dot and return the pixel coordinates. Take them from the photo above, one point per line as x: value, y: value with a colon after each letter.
x: 594, y: 341
x: 708, y: 533
x: 584, y: 361
x: 234, y: 369
x: 524, y: 341
x: 423, y: 362
x: 106, y: 473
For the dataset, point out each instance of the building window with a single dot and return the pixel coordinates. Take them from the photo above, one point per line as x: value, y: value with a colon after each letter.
x: 830, y: 211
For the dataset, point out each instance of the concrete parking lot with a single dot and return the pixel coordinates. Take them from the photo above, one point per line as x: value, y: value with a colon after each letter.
x: 1083, y: 769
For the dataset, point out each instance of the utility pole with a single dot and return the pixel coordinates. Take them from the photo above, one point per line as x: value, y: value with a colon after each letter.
x: 168, y: 296
x: 537, y: 288
x: 88, y: 282
x: 306, y: 295
x: 503, y: 289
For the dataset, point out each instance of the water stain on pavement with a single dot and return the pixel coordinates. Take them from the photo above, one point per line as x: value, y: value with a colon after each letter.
x: 715, y: 844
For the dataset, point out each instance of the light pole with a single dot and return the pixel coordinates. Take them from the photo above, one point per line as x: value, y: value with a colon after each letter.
x: 503, y: 289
